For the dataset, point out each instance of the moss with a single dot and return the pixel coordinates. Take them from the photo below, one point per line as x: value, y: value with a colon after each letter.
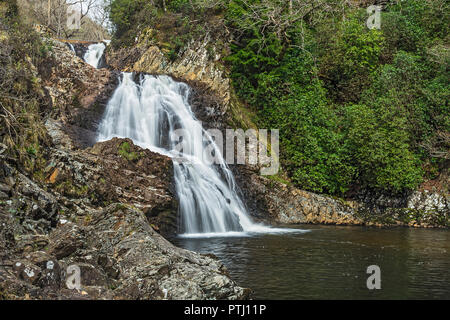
x: 241, y: 116
x: 31, y: 150
x: 76, y: 101
x: 210, y: 50
x: 171, y: 54
x: 404, y: 216
x: 113, y: 286
x: 119, y: 207
x: 87, y: 219
x: 126, y: 153
x: 68, y: 188
x: 280, y: 177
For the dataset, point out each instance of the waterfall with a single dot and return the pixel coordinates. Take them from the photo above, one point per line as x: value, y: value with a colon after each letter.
x: 94, y: 54
x: 149, y: 113
x: 70, y: 47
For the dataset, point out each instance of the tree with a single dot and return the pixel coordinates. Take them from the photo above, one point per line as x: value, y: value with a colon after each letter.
x: 54, y: 14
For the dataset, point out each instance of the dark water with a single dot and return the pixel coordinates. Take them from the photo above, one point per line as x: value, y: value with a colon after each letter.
x: 330, y: 262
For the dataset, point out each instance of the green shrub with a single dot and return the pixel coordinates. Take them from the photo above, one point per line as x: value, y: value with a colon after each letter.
x: 126, y: 153
x: 379, y: 148
x: 350, y: 57
x: 382, y: 95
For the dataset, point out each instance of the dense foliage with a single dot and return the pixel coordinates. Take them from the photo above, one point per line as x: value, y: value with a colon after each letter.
x: 356, y: 107
x: 23, y: 102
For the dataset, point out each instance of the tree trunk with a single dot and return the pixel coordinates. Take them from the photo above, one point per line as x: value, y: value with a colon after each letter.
x: 48, y: 12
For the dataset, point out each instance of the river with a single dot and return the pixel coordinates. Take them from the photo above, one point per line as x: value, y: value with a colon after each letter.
x: 330, y: 262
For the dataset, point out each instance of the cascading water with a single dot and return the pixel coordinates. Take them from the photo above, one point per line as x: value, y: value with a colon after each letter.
x: 150, y: 113
x: 94, y: 54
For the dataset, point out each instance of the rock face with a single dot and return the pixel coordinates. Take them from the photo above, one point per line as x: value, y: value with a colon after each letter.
x: 116, y: 171
x: 79, y: 94
x: 283, y: 204
x: 119, y: 256
x: 429, y: 201
x: 195, y: 65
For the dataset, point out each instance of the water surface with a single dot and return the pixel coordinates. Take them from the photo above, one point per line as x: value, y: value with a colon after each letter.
x: 330, y: 262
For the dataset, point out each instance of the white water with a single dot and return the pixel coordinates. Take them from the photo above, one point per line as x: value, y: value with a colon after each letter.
x: 148, y: 113
x: 94, y: 54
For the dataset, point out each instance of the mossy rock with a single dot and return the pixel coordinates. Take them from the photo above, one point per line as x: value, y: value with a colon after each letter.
x: 126, y: 153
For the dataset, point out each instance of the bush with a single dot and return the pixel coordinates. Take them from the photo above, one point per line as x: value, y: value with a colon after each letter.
x: 22, y: 98
x: 382, y: 95
x: 379, y: 148
x: 350, y: 57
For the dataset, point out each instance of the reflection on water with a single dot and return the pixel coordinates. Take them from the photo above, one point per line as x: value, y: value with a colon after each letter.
x: 330, y: 262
